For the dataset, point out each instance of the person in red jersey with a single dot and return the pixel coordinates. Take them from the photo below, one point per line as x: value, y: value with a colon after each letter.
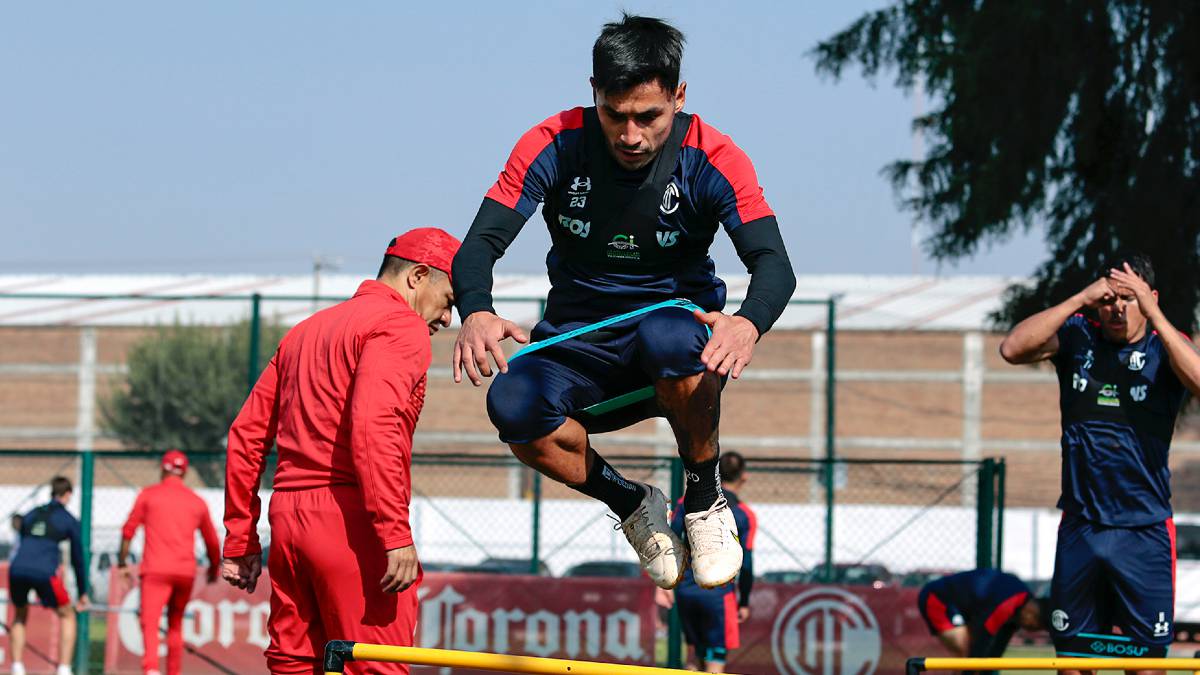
x: 340, y: 400
x: 171, y: 513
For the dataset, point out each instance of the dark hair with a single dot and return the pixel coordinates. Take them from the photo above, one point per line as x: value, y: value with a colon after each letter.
x: 59, y: 486
x: 733, y: 465
x: 1138, y: 261
x: 393, y: 265
x: 637, y: 50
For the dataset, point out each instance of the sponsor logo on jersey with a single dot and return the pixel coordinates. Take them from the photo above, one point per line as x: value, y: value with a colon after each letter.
x: 670, y: 199
x: 1109, y: 396
x: 1139, y: 392
x: 1088, y: 360
x: 666, y: 239
x: 622, y: 247
x: 575, y: 226
x: 578, y: 192
x: 1117, y: 649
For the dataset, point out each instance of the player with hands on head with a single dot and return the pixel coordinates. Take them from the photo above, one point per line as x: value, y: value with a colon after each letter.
x: 1123, y: 377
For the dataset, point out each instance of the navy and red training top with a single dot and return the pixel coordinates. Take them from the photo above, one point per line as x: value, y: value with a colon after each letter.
x: 712, y: 183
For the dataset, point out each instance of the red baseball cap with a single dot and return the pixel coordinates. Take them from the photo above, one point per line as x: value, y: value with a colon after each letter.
x: 175, y: 461
x: 429, y: 245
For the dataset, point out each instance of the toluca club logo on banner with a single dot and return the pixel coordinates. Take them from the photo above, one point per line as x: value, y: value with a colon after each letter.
x: 608, y: 620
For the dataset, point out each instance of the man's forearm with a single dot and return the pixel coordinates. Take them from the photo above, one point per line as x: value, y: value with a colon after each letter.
x: 494, y: 228
x: 123, y: 553
x: 1181, y: 352
x: 772, y: 280
x: 1026, y: 340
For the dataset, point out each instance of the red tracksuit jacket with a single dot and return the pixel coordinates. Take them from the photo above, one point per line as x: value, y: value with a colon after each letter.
x: 340, y: 400
x: 171, y: 514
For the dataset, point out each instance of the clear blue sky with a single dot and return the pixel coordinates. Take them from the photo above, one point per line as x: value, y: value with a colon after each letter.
x: 245, y: 137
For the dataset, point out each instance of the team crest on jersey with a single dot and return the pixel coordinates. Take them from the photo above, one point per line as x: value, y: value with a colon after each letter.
x: 670, y: 200
x: 1137, y: 360
x: 622, y: 247
x: 1109, y: 396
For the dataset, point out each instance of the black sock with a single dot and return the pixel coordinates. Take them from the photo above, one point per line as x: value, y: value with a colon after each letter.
x: 702, y: 484
x: 604, y: 483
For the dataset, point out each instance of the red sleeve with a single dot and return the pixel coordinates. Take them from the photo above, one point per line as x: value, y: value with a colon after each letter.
x: 738, y: 198
x: 531, y: 167
x: 752, y: 529
x: 136, y: 517
x: 250, y: 439
x: 387, y: 394
x: 209, y: 533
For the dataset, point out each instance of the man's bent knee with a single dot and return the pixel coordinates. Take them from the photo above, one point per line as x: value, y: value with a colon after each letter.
x: 519, y: 411
x: 669, y: 344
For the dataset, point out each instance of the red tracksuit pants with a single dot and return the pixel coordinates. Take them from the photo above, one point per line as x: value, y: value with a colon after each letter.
x: 325, y: 564
x: 159, y: 591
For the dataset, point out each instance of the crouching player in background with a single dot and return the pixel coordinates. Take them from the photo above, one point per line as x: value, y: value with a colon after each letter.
x: 1121, y: 380
x: 976, y: 613
x: 710, y: 617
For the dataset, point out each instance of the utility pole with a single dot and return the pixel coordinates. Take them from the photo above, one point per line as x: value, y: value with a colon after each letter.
x: 321, y: 263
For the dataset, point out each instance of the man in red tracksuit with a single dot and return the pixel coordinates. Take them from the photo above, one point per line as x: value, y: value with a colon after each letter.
x: 171, y: 513
x: 340, y: 400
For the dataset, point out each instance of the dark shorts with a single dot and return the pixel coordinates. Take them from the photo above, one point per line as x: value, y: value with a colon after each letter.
x: 50, y: 590
x: 1113, y: 576
x: 709, y: 620
x: 541, y: 390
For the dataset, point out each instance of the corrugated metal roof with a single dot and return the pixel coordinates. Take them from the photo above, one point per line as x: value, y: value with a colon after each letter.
x: 865, y: 302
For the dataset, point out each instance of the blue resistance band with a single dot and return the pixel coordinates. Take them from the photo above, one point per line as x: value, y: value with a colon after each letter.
x: 624, y: 399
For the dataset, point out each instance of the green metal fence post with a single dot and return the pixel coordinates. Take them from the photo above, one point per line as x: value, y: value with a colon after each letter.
x: 674, y: 625
x: 255, y: 336
x: 1001, y: 470
x: 87, y: 472
x: 830, y: 428
x: 535, y: 556
x: 984, y: 505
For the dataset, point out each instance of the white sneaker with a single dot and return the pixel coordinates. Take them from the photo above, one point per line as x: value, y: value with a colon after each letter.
x: 660, y: 551
x: 716, y: 551
x: 17, y: 668
x: 63, y: 669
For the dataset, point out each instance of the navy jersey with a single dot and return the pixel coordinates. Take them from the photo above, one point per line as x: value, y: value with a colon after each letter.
x: 602, y: 262
x: 983, y: 598
x: 42, y: 529
x: 747, y: 526
x: 1119, y: 403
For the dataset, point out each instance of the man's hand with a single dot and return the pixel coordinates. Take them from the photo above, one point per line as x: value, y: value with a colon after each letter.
x: 127, y: 576
x: 242, y: 571
x: 479, y: 336
x: 1127, y: 280
x: 731, y: 346
x: 743, y: 614
x: 83, y: 603
x: 214, y: 572
x: 1097, y: 293
x: 402, y: 569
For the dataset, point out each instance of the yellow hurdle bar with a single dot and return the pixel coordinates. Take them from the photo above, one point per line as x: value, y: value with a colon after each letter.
x: 916, y: 666
x: 338, y: 652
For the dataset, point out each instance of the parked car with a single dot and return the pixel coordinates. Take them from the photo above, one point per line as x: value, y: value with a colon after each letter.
x: 505, y: 566
x: 605, y: 568
x: 785, y: 577
x: 919, y: 577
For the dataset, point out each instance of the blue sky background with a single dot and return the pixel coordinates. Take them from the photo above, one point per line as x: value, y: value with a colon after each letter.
x: 247, y: 137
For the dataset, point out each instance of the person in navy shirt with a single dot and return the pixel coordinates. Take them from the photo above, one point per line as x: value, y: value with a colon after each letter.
x: 1122, y: 381
x: 633, y: 191
x: 711, y: 617
x: 976, y: 613
x: 35, y: 568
